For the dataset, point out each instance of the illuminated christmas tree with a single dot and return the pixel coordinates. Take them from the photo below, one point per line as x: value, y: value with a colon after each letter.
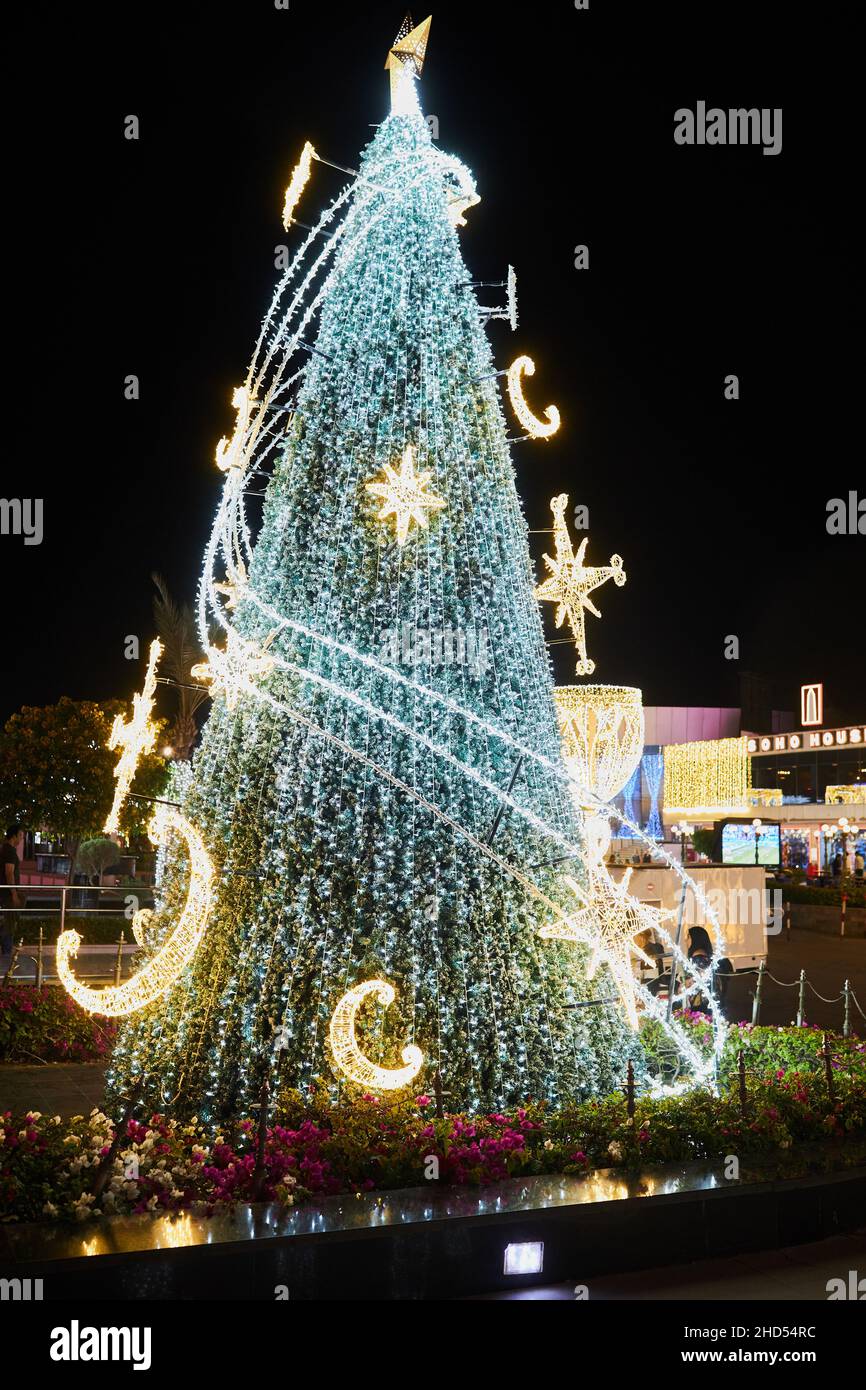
x: 379, y: 783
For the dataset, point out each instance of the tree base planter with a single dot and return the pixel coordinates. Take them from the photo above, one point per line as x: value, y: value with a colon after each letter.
x: 418, y: 1243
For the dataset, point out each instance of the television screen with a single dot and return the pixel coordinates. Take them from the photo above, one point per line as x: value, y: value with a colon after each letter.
x: 738, y: 844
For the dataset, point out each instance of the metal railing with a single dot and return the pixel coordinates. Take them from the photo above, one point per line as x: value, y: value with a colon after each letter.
x: 67, y: 911
x: 846, y: 997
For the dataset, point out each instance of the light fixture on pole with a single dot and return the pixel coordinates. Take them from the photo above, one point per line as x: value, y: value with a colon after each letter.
x: 757, y: 826
x: 684, y: 831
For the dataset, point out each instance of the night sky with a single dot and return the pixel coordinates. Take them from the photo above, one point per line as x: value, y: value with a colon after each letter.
x: 156, y: 258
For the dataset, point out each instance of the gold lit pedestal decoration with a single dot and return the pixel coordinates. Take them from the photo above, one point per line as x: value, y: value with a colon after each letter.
x: 570, y: 582
x: 348, y: 1056
x: 166, y: 965
x: 602, y: 731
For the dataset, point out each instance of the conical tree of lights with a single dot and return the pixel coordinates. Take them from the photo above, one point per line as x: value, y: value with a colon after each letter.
x: 373, y: 815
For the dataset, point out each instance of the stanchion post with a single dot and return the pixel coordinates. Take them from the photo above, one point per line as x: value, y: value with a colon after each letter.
x: 846, y: 1014
x: 844, y: 906
x: 40, y: 963
x: 16, y: 951
x: 801, y: 999
x: 741, y: 1079
x: 756, y: 1002
x: 629, y: 1090
x: 118, y: 964
x: 827, y: 1056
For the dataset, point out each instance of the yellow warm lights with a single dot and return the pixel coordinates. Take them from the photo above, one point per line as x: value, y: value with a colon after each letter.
x: 233, y: 670
x: 166, y: 965
x: 538, y: 429
x: 297, y: 183
x: 602, y: 732
x: 407, y: 53
x: 570, y: 582
x: 765, y: 796
x: 136, y: 738
x: 229, y: 452
x: 347, y: 1054
x: 851, y: 795
x: 404, y: 495
x: 608, y: 921
x: 706, y: 778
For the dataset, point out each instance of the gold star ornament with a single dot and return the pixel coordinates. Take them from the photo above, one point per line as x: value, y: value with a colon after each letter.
x: 404, y: 495
x: 570, y: 582
x: 408, y: 51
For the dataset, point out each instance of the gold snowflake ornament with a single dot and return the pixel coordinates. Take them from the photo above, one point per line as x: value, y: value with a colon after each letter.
x: 405, y: 496
x: 607, y: 922
x: 570, y: 582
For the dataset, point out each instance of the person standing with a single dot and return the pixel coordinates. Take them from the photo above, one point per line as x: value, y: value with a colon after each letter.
x: 10, y: 878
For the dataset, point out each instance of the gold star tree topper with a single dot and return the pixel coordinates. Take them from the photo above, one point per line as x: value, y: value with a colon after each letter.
x: 570, y: 582
x: 404, y: 495
x: 407, y: 51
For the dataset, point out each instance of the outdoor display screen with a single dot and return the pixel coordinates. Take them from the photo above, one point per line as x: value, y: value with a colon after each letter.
x: 738, y: 844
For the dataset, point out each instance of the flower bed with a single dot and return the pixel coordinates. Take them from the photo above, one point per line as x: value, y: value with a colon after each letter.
x: 46, y: 1025
x: 48, y: 1167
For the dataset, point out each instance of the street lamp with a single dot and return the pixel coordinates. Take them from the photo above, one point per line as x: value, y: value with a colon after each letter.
x: 843, y: 828
x: 683, y: 830
x: 757, y: 827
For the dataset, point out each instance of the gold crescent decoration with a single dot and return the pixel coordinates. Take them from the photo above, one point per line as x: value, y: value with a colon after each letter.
x: 167, y: 964
x: 348, y: 1055
x: 538, y: 429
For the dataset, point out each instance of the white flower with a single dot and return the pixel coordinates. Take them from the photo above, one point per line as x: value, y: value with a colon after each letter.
x: 614, y: 1148
x: 548, y: 1143
x: 49, y: 1209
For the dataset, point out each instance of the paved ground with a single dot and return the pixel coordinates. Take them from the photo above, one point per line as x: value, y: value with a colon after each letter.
x: 57, y: 1088
x: 797, y: 1272
x: 828, y: 962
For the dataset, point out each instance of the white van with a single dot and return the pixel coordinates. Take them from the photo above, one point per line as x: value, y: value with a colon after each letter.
x: 737, y: 895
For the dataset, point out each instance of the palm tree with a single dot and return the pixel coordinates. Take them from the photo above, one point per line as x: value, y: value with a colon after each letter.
x: 176, y: 628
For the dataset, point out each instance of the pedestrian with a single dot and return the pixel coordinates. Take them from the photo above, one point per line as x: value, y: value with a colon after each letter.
x: 10, y: 877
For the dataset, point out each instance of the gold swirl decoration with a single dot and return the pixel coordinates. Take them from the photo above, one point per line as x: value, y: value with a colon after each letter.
x: 348, y: 1055
x: 175, y: 954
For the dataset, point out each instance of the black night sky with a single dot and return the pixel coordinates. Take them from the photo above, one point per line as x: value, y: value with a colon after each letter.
x: 156, y: 258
